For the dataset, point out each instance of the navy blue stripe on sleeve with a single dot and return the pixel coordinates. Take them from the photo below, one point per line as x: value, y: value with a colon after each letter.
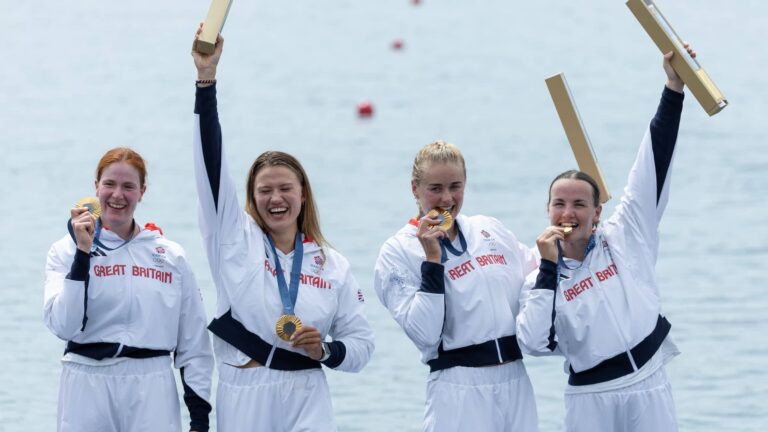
x: 198, y: 407
x: 432, y: 278
x: 80, y: 266
x: 79, y: 271
x: 338, y: 351
x: 664, y: 127
x: 210, y: 135
x: 547, y: 277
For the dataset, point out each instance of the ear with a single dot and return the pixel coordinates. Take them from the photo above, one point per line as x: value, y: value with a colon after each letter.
x: 414, y: 186
x: 96, y: 187
x: 143, y: 189
x: 598, y: 211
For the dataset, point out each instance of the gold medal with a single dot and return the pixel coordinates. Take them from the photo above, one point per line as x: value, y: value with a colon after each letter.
x: 444, y: 216
x: 92, y: 204
x: 286, y: 326
x: 567, y: 228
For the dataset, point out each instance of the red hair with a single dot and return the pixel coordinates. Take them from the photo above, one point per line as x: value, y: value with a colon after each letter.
x: 123, y: 154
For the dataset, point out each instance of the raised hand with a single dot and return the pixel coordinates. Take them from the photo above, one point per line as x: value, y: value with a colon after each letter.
x: 673, y: 80
x: 206, y: 64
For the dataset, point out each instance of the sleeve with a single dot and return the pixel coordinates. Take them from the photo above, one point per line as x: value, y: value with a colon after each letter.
x: 353, y: 343
x: 415, y: 301
x: 221, y: 220
x: 529, y: 257
x: 647, y: 192
x: 193, y: 356
x: 65, y: 292
x: 536, y: 320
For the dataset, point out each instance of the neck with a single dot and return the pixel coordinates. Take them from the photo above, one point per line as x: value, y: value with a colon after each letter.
x: 285, y: 240
x: 575, y: 249
x: 125, y: 232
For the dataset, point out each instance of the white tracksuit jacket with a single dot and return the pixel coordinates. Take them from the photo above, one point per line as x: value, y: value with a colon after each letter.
x: 242, y: 266
x: 467, y: 301
x: 140, y: 295
x: 611, y: 303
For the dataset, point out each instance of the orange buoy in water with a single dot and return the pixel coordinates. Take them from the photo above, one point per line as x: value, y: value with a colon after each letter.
x: 397, y: 44
x: 364, y: 109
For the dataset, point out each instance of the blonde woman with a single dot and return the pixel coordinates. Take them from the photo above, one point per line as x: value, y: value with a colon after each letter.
x: 454, y: 291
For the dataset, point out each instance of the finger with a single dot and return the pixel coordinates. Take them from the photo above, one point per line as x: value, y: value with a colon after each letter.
x: 307, y: 342
x: 302, y: 333
x: 669, y: 55
x: 305, y: 338
x: 75, y: 212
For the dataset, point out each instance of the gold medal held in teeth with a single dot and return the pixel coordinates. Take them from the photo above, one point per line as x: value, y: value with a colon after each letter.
x: 444, y: 216
x: 90, y: 203
x: 567, y: 228
x: 286, y: 326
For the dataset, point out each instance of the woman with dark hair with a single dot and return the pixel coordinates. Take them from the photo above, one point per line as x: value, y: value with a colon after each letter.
x: 281, y: 289
x: 595, y: 299
x: 124, y: 297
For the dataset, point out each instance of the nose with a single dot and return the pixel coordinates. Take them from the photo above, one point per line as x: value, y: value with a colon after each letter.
x: 568, y: 210
x: 446, y: 199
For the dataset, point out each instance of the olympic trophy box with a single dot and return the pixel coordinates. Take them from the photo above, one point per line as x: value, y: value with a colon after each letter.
x: 575, y: 132
x: 214, y: 22
x: 690, y: 71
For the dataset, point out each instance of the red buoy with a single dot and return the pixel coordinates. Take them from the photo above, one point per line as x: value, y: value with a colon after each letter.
x: 364, y: 109
x: 397, y: 44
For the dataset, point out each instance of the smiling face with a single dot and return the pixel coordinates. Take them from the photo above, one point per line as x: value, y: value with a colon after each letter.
x: 119, y: 191
x: 572, y: 202
x: 442, y: 185
x: 279, y: 198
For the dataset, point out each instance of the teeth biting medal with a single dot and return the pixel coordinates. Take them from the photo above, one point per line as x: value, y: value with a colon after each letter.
x: 567, y: 228
x: 444, y: 216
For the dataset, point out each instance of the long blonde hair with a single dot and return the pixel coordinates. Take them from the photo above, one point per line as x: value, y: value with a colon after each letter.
x: 308, y: 221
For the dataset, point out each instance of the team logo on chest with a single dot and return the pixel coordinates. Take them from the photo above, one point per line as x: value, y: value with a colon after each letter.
x: 489, y: 240
x: 158, y: 257
x: 317, y: 264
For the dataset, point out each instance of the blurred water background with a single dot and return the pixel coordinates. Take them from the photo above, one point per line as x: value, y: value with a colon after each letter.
x: 79, y: 77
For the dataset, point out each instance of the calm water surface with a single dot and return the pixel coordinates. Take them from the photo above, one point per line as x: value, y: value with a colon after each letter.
x: 79, y: 77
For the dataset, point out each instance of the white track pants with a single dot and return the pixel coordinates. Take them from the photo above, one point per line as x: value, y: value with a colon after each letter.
x: 261, y: 399
x: 646, y: 406
x: 136, y: 395
x: 489, y: 399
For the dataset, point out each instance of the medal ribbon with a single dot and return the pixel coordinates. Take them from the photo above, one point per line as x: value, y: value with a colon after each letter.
x: 446, y: 246
x: 288, y: 295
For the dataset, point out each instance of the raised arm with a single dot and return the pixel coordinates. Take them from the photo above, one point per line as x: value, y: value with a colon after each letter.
x: 647, y: 191
x: 222, y: 222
